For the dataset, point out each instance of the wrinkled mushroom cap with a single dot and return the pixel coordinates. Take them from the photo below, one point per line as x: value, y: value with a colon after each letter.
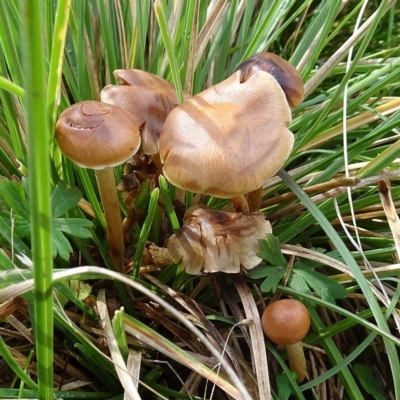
x: 228, y: 139
x: 285, y: 321
x: 213, y: 241
x: 147, y: 97
x: 96, y: 135
x: 286, y: 75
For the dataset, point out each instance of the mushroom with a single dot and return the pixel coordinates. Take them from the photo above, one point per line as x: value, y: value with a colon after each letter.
x: 101, y: 136
x: 286, y: 75
x: 212, y: 241
x: 227, y: 140
x: 147, y: 97
x: 290, y: 81
x: 287, y: 322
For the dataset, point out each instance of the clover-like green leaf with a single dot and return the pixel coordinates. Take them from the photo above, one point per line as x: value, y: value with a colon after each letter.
x: 13, y: 197
x: 326, y: 288
x: 14, y: 212
x: 64, y: 199
x: 271, y: 251
x: 81, y: 289
x: 271, y: 282
x: 369, y: 381
x: 77, y: 227
x: 299, y: 284
x: 273, y: 274
x: 61, y: 245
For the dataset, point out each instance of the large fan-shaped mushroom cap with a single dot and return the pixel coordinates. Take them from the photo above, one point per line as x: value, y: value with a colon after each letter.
x: 228, y: 139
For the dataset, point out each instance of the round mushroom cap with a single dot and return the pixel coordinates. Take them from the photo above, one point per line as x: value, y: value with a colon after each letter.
x: 285, y: 321
x: 228, y: 139
x: 147, y: 97
x: 97, y: 135
x: 287, y: 76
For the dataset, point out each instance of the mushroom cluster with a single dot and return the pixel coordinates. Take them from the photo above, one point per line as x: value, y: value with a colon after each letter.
x: 223, y: 142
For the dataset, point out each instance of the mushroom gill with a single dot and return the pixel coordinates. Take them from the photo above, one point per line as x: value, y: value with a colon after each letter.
x: 213, y: 241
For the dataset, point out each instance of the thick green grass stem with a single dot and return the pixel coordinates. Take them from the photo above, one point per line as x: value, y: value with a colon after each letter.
x: 40, y: 191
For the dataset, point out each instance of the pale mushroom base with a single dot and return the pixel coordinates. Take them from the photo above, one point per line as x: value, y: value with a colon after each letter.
x: 213, y: 241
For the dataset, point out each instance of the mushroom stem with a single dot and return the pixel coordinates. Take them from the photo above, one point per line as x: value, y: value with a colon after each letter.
x: 240, y: 204
x: 109, y: 198
x: 254, y: 200
x: 297, y: 361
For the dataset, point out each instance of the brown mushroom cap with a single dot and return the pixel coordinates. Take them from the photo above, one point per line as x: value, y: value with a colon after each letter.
x: 96, y: 135
x: 147, y: 97
x: 287, y: 76
x: 285, y: 321
x: 139, y: 78
x: 228, y: 139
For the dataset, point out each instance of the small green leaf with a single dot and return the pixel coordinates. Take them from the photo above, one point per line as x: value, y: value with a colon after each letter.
x: 74, y: 226
x: 275, y: 275
x: 61, y: 245
x: 80, y: 289
x: 369, y: 381
x: 271, y: 251
x: 14, y: 211
x: 5, y: 262
x: 326, y: 288
x: 259, y: 272
x: 284, y: 388
x: 12, y: 196
x: 21, y: 226
x: 64, y: 199
x: 298, y: 283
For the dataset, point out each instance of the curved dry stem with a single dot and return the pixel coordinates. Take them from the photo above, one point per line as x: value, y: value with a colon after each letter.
x: 109, y: 198
x: 297, y: 361
x: 259, y: 354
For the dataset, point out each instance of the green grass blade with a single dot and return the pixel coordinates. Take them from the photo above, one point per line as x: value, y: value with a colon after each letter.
x: 109, y: 37
x: 169, y: 47
x: 173, y: 219
x: 56, y: 58
x: 11, y: 362
x: 11, y: 87
x: 40, y: 191
x: 144, y: 234
x: 10, y: 40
